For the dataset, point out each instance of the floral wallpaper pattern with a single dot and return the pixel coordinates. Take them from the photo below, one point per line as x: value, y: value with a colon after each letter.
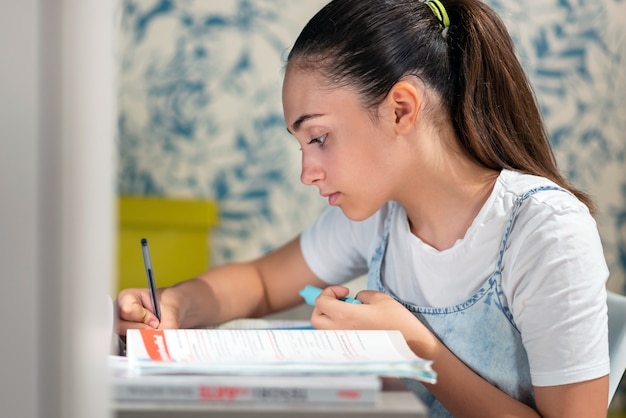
x: 200, y: 111
x: 201, y: 115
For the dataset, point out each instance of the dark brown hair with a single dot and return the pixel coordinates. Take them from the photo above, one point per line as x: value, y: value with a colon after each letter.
x: 371, y: 44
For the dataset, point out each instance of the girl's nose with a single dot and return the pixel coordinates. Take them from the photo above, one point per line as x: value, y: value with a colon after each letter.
x: 312, y: 171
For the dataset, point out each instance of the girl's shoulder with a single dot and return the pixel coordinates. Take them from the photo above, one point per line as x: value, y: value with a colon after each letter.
x: 537, y: 194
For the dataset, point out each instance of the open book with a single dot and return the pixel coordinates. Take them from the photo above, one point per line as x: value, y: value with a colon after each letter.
x: 275, y: 352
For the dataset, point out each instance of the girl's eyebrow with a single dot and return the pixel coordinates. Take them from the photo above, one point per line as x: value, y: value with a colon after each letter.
x: 296, y: 125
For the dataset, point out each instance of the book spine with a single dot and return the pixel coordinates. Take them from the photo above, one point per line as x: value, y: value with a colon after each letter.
x: 125, y: 391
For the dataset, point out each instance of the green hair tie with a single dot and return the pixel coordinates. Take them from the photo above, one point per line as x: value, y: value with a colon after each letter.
x: 440, y: 13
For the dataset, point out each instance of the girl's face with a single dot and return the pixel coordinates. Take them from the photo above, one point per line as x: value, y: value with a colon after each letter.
x: 345, y: 153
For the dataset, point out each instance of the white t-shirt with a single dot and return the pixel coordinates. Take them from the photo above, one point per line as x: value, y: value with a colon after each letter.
x: 554, y: 272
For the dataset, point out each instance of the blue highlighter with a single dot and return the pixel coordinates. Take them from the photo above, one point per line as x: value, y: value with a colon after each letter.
x: 310, y: 293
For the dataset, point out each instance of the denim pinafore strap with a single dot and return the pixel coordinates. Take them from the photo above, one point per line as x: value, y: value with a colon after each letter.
x: 480, y: 331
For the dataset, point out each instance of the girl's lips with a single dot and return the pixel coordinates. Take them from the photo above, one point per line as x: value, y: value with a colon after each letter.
x: 332, y: 198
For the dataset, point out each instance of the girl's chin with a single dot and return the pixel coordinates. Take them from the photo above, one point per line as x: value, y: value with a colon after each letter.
x: 356, y: 214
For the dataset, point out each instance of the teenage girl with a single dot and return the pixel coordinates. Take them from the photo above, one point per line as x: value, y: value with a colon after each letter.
x: 418, y: 124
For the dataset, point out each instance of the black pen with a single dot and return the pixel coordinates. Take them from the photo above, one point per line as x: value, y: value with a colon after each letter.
x: 150, y: 274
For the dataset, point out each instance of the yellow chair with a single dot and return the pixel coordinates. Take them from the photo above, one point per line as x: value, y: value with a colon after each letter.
x: 178, y: 233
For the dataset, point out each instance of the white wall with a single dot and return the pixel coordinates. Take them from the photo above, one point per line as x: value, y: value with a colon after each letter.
x: 56, y: 206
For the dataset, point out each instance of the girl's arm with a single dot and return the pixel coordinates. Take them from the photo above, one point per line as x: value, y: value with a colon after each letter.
x: 466, y: 394
x: 238, y: 290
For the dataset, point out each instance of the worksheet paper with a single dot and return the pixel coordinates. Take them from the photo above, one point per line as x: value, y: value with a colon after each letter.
x: 274, y: 351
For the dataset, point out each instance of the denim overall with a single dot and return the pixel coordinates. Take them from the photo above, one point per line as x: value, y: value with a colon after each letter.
x: 480, y: 331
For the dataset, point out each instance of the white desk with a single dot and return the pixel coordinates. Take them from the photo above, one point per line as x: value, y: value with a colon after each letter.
x: 392, y: 404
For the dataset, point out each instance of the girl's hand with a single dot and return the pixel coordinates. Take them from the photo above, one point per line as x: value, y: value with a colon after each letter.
x: 134, y: 310
x: 377, y: 311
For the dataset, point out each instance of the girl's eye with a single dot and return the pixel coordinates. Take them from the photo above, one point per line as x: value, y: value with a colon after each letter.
x: 319, y: 140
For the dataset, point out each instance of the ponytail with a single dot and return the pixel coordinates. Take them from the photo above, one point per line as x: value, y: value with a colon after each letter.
x: 493, y: 107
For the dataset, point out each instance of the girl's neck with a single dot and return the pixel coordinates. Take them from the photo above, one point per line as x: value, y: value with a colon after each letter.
x: 441, y: 188
x: 446, y: 205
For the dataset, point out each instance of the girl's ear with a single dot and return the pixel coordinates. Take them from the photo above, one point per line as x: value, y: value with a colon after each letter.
x: 404, y: 100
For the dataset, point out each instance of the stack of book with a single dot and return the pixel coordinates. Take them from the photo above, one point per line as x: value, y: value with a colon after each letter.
x: 262, y: 365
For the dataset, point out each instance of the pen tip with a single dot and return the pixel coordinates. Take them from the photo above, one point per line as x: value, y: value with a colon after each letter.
x: 144, y: 241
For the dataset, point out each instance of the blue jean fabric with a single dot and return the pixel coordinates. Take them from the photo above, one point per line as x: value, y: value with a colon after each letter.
x: 480, y: 331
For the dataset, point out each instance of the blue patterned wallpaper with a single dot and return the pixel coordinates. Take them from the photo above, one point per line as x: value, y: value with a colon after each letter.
x: 201, y: 115
x: 200, y: 112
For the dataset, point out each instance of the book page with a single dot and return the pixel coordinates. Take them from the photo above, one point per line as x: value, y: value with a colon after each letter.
x: 263, y: 346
